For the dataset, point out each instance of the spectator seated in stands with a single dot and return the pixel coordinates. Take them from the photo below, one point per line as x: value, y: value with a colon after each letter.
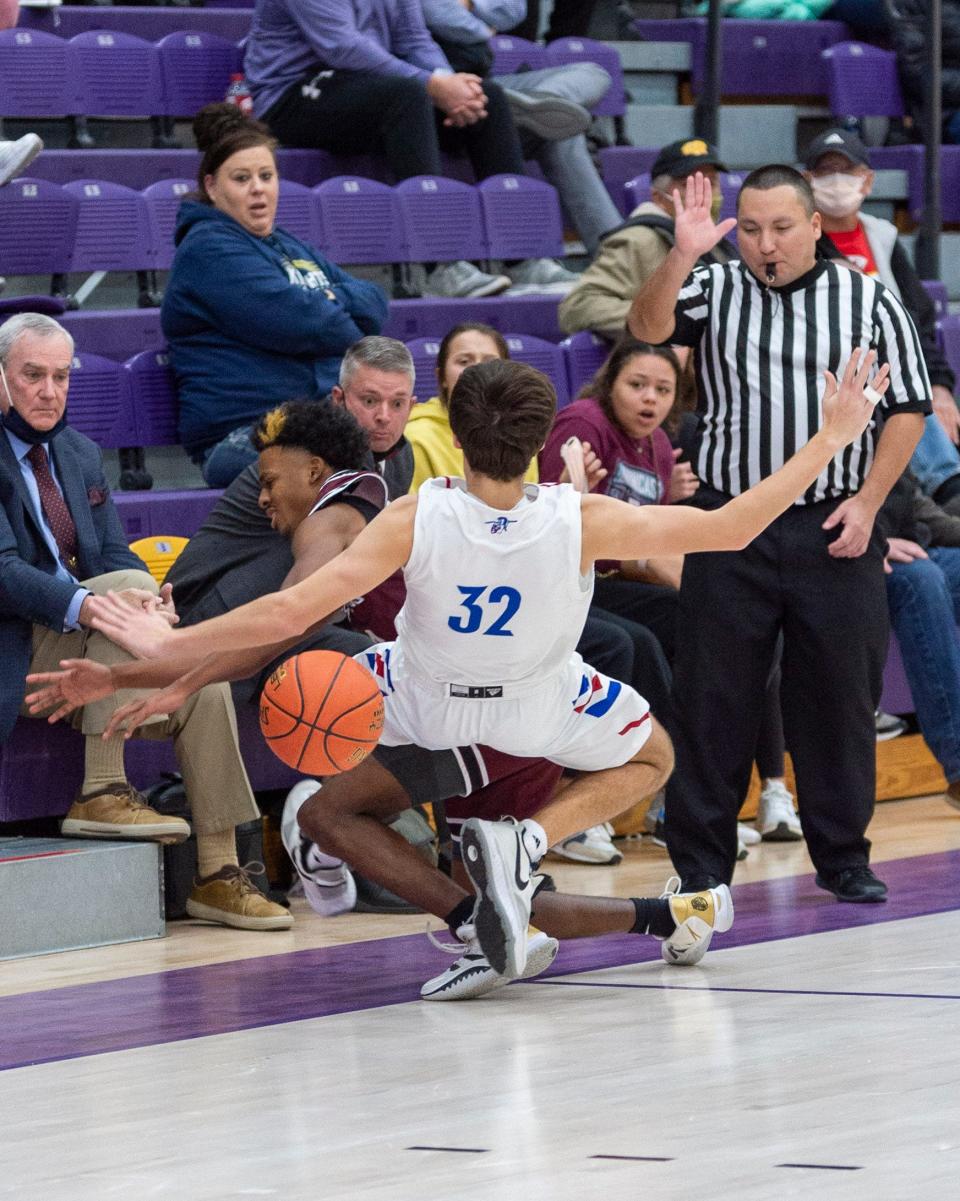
x: 838, y: 168
x: 620, y: 414
x: 923, y: 591
x: 428, y: 429
x: 909, y: 31
x: 366, y: 77
x: 550, y: 108
x: 252, y: 315
x: 62, y: 545
x: 630, y: 253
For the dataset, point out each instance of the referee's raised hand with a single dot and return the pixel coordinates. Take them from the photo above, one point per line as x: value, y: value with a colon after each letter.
x: 694, y: 230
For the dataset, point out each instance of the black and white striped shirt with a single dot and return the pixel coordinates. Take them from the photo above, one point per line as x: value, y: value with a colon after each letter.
x: 760, y: 354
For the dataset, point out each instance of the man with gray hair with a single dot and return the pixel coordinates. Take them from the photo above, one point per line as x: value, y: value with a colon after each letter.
x: 61, y: 542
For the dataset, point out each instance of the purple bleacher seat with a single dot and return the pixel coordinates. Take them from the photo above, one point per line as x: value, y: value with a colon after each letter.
x: 146, y: 21
x: 950, y: 183
x: 618, y: 164
x: 100, y: 404
x: 38, y: 226
x: 586, y: 50
x: 862, y: 81
x: 442, y: 220
x: 903, y: 158
x: 36, y: 77
x: 113, y: 228
x: 133, y: 168
x: 950, y: 336
x: 308, y: 167
x: 546, y: 357
x: 41, y: 769
x: 760, y: 58
x: 116, y: 333
x: 178, y: 512
x: 297, y: 212
x: 522, y: 217
x: 511, y: 55
x: 360, y: 221
x: 432, y: 316
x: 195, y: 70
x: 163, y: 201
x: 937, y: 291
x: 424, y: 352
x: 118, y: 75
x: 584, y: 354
x: 153, y: 398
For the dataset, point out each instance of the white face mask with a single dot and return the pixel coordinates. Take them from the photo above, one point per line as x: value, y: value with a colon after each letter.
x: 837, y: 195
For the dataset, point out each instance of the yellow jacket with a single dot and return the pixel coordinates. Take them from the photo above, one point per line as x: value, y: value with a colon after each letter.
x: 428, y: 432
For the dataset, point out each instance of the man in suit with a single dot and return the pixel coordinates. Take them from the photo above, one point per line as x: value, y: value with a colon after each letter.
x: 60, y: 543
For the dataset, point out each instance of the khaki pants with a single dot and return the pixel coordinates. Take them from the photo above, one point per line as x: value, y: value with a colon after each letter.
x: 204, y: 730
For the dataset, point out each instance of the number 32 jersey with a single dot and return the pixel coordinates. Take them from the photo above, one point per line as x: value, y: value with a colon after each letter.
x: 493, y: 598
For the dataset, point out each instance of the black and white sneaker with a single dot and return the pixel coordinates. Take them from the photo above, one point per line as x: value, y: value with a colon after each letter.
x: 328, y: 883
x: 472, y: 976
x: 499, y: 867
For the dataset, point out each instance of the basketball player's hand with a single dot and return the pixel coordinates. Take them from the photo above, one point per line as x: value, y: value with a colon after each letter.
x: 947, y: 412
x: 145, y: 635
x: 80, y: 682
x: 592, y: 465
x: 162, y: 702
x: 694, y: 230
x: 683, y: 481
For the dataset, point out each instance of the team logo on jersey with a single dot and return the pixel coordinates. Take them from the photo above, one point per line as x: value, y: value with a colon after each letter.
x: 597, y: 695
x: 378, y: 664
x: 499, y: 526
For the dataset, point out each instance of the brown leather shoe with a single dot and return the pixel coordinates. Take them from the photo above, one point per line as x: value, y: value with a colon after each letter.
x: 231, y: 898
x: 119, y: 812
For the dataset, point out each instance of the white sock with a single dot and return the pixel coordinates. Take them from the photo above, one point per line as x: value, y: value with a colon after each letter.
x: 534, y: 840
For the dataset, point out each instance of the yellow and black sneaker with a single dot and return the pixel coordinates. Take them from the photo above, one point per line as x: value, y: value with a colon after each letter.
x: 699, y: 915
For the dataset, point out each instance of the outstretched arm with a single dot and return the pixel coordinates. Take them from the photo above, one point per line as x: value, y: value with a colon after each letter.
x: 382, y: 548
x: 612, y: 530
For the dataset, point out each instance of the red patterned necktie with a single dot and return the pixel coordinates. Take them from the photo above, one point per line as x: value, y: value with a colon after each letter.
x: 54, y: 507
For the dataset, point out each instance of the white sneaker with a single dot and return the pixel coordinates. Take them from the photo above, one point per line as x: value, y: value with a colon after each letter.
x: 542, y: 275
x: 699, y: 915
x: 462, y: 280
x: 472, y: 976
x: 888, y: 726
x: 776, y: 819
x: 328, y: 883
x: 499, y: 867
x: 18, y: 155
x: 747, y: 835
x: 591, y: 846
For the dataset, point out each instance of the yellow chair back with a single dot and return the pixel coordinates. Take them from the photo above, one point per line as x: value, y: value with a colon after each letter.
x: 159, y: 552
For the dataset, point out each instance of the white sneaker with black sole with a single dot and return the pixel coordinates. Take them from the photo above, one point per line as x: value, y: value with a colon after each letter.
x: 328, y: 883
x: 472, y: 976
x: 699, y: 915
x: 499, y: 867
x: 464, y: 281
x: 888, y: 726
x: 591, y: 846
x: 777, y: 820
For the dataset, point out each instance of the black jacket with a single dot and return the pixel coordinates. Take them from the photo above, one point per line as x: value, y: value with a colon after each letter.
x: 909, y: 35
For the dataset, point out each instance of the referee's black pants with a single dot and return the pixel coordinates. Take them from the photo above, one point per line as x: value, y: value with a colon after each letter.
x: 833, y: 614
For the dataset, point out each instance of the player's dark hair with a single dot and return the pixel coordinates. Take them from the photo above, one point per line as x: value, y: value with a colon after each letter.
x: 602, y: 384
x: 222, y: 130
x: 319, y: 427
x: 465, y: 327
x: 779, y: 175
x: 501, y: 413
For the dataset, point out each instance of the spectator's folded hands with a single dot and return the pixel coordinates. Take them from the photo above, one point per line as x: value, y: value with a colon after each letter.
x: 902, y: 550
x: 144, y: 634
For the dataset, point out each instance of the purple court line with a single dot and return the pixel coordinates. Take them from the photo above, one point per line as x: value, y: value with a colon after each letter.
x: 197, y: 1002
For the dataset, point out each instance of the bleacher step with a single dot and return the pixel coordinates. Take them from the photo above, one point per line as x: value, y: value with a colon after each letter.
x: 62, y: 894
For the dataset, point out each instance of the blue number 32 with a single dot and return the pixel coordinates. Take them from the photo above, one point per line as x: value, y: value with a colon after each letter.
x: 474, y: 603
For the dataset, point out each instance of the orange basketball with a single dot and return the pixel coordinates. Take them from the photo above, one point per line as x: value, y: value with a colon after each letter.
x: 321, y: 712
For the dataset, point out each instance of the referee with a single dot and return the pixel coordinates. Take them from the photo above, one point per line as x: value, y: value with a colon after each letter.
x: 764, y: 329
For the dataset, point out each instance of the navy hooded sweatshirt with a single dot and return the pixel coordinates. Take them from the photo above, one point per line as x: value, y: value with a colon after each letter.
x: 252, y: 322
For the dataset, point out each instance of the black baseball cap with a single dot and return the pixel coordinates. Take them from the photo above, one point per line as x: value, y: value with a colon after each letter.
x: 836, y: 141
x: 681, y: 159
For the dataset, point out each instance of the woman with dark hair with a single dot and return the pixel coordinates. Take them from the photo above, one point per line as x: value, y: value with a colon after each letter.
x: 252, y: 315
x: 428, y: 426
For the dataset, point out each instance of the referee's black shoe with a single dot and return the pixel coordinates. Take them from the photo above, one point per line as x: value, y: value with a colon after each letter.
x: 856, y: 884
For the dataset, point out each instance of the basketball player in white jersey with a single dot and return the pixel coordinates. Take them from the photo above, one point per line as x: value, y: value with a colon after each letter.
x: 499, y: 576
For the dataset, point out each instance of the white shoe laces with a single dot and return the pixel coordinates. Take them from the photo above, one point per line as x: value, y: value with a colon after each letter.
x: 466, y: 935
